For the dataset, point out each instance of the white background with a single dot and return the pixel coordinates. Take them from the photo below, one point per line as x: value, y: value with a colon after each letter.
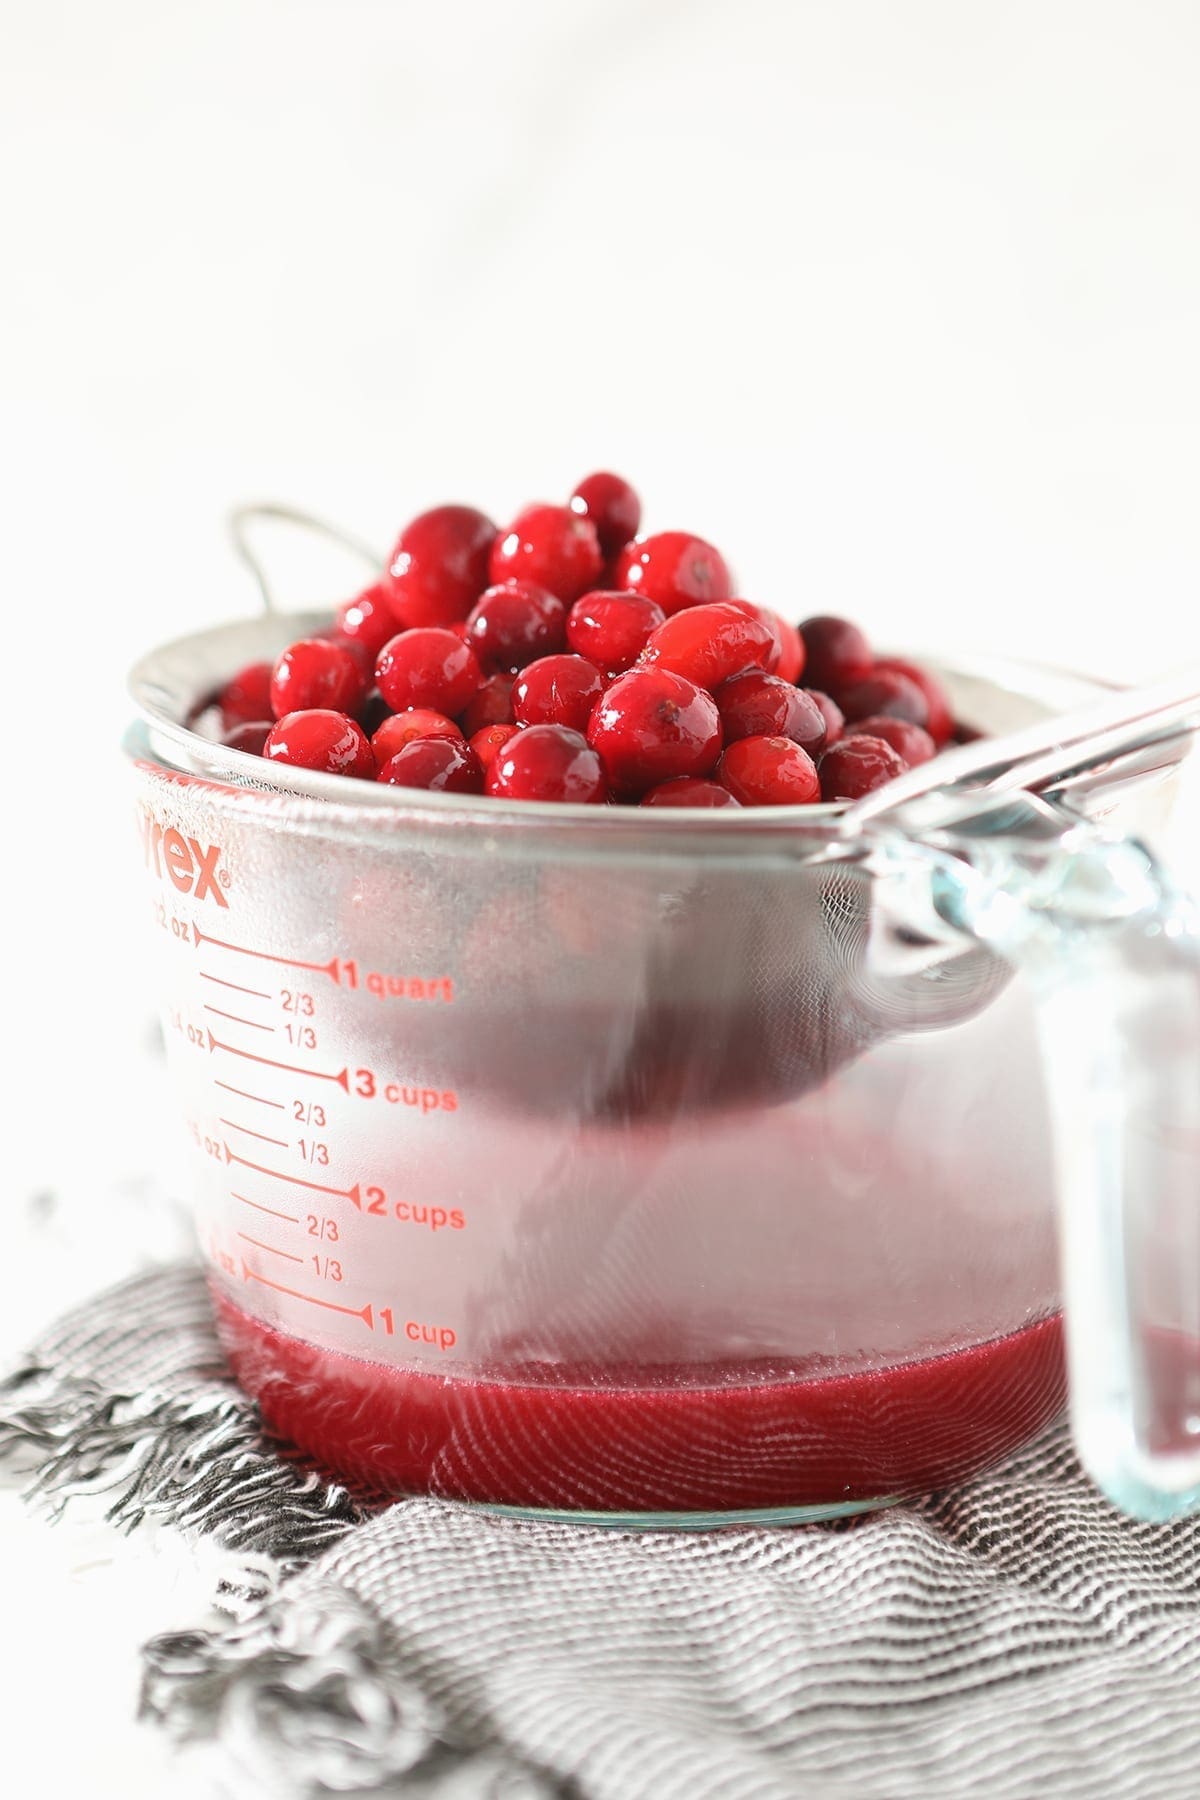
x: 896, y: 302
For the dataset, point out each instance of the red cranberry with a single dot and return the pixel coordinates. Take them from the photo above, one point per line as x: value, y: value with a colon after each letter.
x: 788, y: 659
x: 557, y: 690
x: 358, y: 650
x: 612, y: 506
x: 548, y: 762
x: 439, y: 566
x: 611, y: 629
x: 550, y: 547
x: 894, y: 696
x: 250, y: 736
x: 856, y: 766
x: 652, y: 724
x: 687, y: 790
x: 831, y: 712
x: 907, y: 740
x: 489, y: 740
x: 246, y: 698
x: 490, y: 705
x: 437, y: 763
x: 314, y: 673
x: 430, y: 667
x: 708, y: 644
x: 514, y: 624
x: 837, y: 653
x: 769, y: 771
x: 754, y: 704
x: 319, y: 738
x: 402, y: 728
x: 940, y: 723
x: 674, y: 568
x: 368, y: 619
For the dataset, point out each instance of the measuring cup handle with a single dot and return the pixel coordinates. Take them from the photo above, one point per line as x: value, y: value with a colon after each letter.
x: 242, y: 518
x: 1109, y: 939
x: 1120, y: 1032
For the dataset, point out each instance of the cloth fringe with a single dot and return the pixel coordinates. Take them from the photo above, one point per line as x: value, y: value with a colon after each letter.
x: 188, y: 1452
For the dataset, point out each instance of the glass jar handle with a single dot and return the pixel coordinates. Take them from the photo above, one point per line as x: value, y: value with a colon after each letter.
x: 1120, y: 1033
x: 1112, y: 950
x: 1103, y: 927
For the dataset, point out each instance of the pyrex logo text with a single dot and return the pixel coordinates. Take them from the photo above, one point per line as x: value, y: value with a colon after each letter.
x: 188, y: 866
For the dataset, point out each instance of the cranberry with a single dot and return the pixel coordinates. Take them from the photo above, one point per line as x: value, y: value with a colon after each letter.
x: 249, y: 736
x: 895, y: 696
x: 754, y: 704
x: 489, y: 740
x: 428, y: 666
x: 557, y: 690
x: 652, y: 724
x: 831, y: 712
x: 358, y: 650
x: 368, y: 619
x: 548, y: 762
x: 769, y: 771
x: 437, y: 763
x: 550, y: 547
x: 788, y: 659
x: 612, y: 506
x: 320, y: 738
x: 674, y: 568
x: 909, y: 741
x: 401, y: 728
x: 611, y: 629
x: 708, y: 644
x: 489, y: 705
x: 940, y: 723
x: 314, y: 673
x: 439, y: 566
x: 246, y: 697
x: 837, y: 653
x: 687, y: 790
x: 856, y: 766
x: 514, y: 624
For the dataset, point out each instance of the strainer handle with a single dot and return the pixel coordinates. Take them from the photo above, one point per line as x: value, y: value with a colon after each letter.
x: 242, y: 518
x: 1130, y: 732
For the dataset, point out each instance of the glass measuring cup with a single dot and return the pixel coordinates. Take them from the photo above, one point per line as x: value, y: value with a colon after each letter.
x: 646, y: 1168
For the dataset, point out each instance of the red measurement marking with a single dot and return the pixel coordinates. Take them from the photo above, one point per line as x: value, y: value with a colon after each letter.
x: 247, y: 1239
x: 235, y: 985
x: 352, y: 1312
x: 236, y: 1018
x: 342, y: 1077
x: 316, y: 1187
x: 234, y: 1126
x: 292, y: 1218
x: 293, y: 962
x: 279, y: 1105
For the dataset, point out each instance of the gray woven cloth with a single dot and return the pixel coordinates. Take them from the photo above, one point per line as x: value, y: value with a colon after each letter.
x: 1012, y: 1638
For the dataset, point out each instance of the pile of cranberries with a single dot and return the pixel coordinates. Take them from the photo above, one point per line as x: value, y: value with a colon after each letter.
x: 566, y: 658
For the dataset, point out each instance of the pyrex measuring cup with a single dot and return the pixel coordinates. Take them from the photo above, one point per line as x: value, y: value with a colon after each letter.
x: 670, y: 1168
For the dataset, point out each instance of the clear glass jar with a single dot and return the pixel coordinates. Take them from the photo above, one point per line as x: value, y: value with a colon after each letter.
x: 646, y: 1167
